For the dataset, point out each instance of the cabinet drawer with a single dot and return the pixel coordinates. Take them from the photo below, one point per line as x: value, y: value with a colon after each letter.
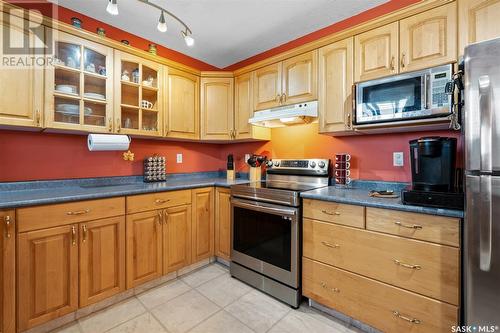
x: 426, y: 268
x: 40, y: 217
x: 437, y: 229
x: 382, y: 306
x: 160, y: 200
x: 334, y: 212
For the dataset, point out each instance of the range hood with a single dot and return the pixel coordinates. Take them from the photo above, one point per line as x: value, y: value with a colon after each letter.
x: 302, y: 113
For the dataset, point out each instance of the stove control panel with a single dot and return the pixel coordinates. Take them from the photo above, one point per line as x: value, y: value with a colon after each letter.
x: 314, y: 166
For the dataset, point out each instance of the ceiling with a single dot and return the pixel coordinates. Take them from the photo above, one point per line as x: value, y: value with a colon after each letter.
x: 225, y: 31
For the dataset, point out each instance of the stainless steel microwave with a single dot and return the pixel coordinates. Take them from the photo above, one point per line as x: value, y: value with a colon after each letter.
x: 408, y: 96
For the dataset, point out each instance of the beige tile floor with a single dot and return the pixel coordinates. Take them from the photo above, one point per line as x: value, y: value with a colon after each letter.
x: 206, y: 301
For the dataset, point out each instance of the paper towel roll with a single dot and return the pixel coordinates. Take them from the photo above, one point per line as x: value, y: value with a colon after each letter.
x: 107, y: 142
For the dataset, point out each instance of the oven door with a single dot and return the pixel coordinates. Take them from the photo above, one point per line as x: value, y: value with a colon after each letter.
x: 265, y: 238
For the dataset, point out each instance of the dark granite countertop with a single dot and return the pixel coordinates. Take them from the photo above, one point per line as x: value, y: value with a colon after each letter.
x: 357, y: 194
x: 22, y: 194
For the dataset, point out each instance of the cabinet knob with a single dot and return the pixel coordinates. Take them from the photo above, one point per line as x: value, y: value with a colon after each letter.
x: 393, y: 63
x: 73, y: 235
x: 110, y: 124
x: 84, y: 229
x: 38, y: 117
x: 403, y: 60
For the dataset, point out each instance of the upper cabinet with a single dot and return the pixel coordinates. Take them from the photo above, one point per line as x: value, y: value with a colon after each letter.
x: 267, y: 87
x: 288, y: 82
x: 376, y: 53
x: 139, y: 101
x: 217, y: 109
x: 21, y: 99
x: 182, y: 119
x: 79, y: 87
x: 478, y: 21
x: 300, y: 78
x: 335, y: 86
x: 428, y: 39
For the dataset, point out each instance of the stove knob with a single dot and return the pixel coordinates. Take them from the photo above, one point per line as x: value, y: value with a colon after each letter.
x: 313, y: 164
x: 321, y: 164
x: 276, y: 163
x: 269, y: 163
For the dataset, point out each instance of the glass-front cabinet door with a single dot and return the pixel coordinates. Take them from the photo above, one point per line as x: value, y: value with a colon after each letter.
x: 79, y: 93
x: 138, y: 95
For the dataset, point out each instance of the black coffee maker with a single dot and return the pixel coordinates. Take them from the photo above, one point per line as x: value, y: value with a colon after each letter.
x: 434, y: 174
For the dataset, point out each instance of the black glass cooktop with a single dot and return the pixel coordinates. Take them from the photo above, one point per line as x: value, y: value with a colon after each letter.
x: 289, y: 186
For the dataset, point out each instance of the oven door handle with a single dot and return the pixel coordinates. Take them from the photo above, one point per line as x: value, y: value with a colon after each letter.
x: 264, y: 208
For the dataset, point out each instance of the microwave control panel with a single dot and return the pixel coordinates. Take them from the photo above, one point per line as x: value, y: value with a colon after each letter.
x: 438, y: 89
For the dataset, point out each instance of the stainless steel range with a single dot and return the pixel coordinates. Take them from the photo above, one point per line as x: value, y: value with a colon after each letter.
x: 266, y: 220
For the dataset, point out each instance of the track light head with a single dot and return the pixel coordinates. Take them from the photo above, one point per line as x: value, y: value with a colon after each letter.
x: 112, y: 7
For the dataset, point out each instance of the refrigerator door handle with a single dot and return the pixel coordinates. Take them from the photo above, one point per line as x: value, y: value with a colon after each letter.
x: 485, y: 224
x: 486, y: 121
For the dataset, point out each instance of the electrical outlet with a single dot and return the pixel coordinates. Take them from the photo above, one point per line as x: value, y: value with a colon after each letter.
x: 179, y: 158
x: 398, y: 159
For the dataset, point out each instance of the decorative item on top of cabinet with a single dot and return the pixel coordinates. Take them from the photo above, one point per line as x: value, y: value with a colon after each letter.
x: 428, y: 39
x: 139, y: 100
x: 203, y: 223
x: 176, y: 238
x: 376, y: 53
x: 47, y: 275
x: 22, y: 88
x: 223, y: 223
x: 478, y: 21
x: 300, y: 78
x: 182, y: 117
x: 335, y: 87
x: 217, y: 108
x: 77, y: 96
x: 7, y: 271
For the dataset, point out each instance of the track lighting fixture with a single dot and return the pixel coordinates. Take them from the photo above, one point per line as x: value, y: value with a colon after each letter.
x: 112, y: 7
x: 188, y: 38
x: 162, y: 24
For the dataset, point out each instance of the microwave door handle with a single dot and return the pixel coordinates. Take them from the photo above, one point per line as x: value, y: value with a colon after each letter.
x: 486, y: 122
x: 427, y: 88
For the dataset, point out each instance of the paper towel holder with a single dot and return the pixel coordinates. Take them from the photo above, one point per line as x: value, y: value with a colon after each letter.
x: 108, y: 142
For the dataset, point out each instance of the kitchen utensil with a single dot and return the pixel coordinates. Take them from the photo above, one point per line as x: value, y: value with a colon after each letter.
x: 135, y: 75
x: 72, y: 109
x: 146, y: 104
x: 70, y: 62
x: 66, y: 88
x: 383, y: 194
x: 90, y: 68
x: 127, y: 123
x: 154, y: 169
x: 125, y: 76
x: 342, y: 157
x: 94, y: 95
x: 76, y: 22
x: 230, y: 167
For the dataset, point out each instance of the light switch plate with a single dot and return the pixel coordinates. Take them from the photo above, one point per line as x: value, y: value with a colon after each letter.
x: 398, y: 159
x: 179, y: 158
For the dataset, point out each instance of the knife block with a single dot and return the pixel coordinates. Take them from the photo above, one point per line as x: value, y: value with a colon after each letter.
x: 230, y: 175
x: 255, y: 174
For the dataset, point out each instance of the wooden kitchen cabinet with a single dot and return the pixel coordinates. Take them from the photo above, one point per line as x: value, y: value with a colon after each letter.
x: 267, y: 86
x: 102, y: 259
x: 217, y: 108
x: 144, y: 251
x: 203, y: 232
x: 21, y: 99
x: 47, y: 275
x: 300, y: 78
x: 335, y: 87
x: 139, y: 100
x: 79, y: 86
x: 7, y: 271
x: 478, y: 21
x: 176, y: 238
x: 428, y: 39
x: 182, y: 118
x: 223, y: 223
x: 376, y: 53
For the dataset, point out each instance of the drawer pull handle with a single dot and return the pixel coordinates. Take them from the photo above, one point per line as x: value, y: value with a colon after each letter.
x: 330, y: 213
x: 7, y: 226
x: 73, y: 235
x: 414, y: 226
x: 84, y: 228
x: 165, y: 217
x: 79, y: 212
x: 333, y: 246
x: 408, y: 319
x: 161, y: 201
x: 325, y: 286
x: 160, y: 218
x: 402, y: 264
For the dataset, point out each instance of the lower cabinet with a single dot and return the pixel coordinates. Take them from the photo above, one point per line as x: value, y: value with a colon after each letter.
x: 202, y: 230
x: 102, y: 259
x: 176, y: 238
x: 144, y: 247
x: 7, y: 271
x: 48, y: 275
x: 223, y: 223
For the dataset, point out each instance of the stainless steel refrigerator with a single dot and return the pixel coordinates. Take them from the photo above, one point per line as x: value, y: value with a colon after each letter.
x: 482, y: 177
